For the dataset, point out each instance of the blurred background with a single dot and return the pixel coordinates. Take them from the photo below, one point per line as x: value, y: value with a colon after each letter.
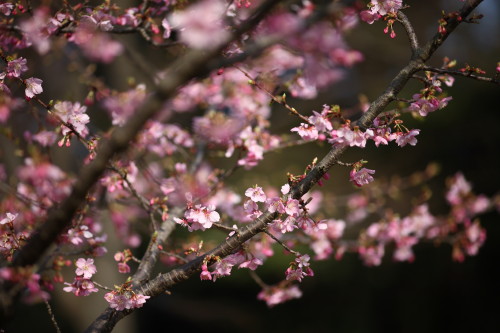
x: 432, y: 294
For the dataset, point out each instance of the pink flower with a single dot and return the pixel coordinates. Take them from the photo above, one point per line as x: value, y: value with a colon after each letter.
x: 275, y: 205
x: 292, y: 207
x: 6, y: 8
x: 256, y: 194
x: 201, y: 24
x: 205, y: 274
x: 45, y: 138
x: 9, y: 218
x: 251, y: 264
x: 361, y: 177
x: 117, y: 301
x: 95, y: 44
x: 385, y: 6
x: 73, y: 114
x: 303, y: 260
x: 322, y: 248
x: 250, y: 206
x: 372, y: 256
x: 123, y: 268
x: 279, y: 294
x: 199, y: 218
x: 404, y: 250
x: 80, y: 287
x: 36, y: 31
x: 306, y: 132
x: 223, y: 267
x: 16, y: 67
x: 425, y: 105
x: 137, y: 300
x: 335, y: 228
x: 218, y: 128
x: 123, y: 105
x: 345, y: 136
x: 33, y: 87
x: 346, y: 58
x: 369, y: 17
x: 85, y: 267
x: 407, y: 138
x: 295, y: 274
x: 379, y: 135
x: 288, y: 225
x: 305, y: 222
x: 476, y: 237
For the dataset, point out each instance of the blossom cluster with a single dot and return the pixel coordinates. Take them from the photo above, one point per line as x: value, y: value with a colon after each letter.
x: 199, y: 218
x: 170, y: 169
x: 320, y: 127
x: 82, y: 284
x: 127, y: 300
x: 223, y: 267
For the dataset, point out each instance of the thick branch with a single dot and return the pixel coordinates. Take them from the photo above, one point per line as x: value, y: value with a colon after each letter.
x: 412, y: 36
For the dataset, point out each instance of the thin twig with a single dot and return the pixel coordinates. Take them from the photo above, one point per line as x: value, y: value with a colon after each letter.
x: 463, y: 74
x: 281, y: 243
x: 101, y: 286
x: 281, y: 101
x: 52, y: 317
x: 257, y: 279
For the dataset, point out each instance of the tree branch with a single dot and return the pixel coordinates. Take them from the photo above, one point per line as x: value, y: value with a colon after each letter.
x: 410, y: 32
x: 464, y: 74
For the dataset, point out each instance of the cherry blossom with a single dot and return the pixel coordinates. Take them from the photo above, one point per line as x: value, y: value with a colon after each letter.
x: 95, y: 44
x: 256, y: 194
x: 292, y: 207
x: 16, y: 67
x: 205, y: 31
x: 33, y: 87
x: 346, y: 136
x: 74, y: 115
x: 85, y: 268
x: 285, y: 189
x: 383, y: 7
x: 6, y: 8
x: 35, y: 30
x: 251, y: 264
x: 306, y: 132
x: 123, y: 105
x: 361, y: 177
x: 199, y: 218
x: 402, y: 139
x: 9, y: 218
x: 286, y: 225
x: 80, y: 287
x: 425, y: 105
x: 276, y: 295
x: 205, y: 274
x: 117, y: 301
x: 138, y: 300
